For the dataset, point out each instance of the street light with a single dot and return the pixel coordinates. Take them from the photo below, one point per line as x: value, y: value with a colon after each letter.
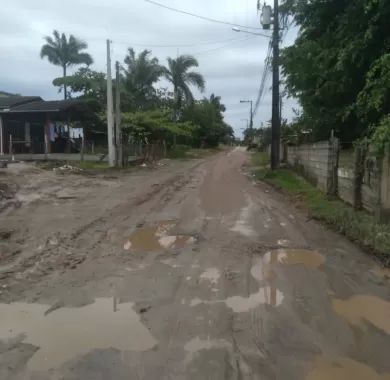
x: 238, y: 30
x: 251, y: 112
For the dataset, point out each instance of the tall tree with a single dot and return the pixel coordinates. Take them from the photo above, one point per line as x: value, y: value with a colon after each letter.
x: 179, y: 74
x: 336, y: 62
x: 65, y: 52
x: 85, y: 83
x: 141, y: 73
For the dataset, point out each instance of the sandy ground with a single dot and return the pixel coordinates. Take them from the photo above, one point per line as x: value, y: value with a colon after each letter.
x: 186, y: 271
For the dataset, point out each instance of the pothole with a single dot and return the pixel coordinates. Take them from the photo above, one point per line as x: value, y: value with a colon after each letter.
x: 156, y: 238
x: 67, y: 333
x: 308, y: 258
x: 341, y: 368
x: 360, y: 308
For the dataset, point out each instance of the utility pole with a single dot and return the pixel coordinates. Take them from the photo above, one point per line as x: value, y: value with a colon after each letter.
x: 275, y: 143
x: 110, y: 114
x: 118, y: 129
x: 251, y: 117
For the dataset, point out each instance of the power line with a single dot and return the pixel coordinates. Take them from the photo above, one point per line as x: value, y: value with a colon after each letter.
x: 201, y: 17
x: 223, y: 46
x: 147, y: 45
x: 267, y: 65
x: 264, y: 78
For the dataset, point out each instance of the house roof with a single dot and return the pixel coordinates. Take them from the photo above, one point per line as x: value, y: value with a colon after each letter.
x: 8, y: 102
x: 45, y: 106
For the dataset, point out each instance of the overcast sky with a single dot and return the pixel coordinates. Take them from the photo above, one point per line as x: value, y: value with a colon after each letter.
x: 231, y: 62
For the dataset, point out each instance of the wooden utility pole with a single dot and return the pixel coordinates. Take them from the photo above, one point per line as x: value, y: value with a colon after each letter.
x: 275, y: 144
x: 110, y: 114
x: 118, y: 129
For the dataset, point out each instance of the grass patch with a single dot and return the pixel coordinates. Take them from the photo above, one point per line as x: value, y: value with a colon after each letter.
x: 178, y: 151
x: 260, y: 159
x: 186, y: 152
x: 359, y: 226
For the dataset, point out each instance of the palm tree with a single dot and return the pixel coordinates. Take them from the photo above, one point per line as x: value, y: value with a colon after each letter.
x: 141, y: 73
x: 181, y: 78
x: 216, y: 102
x: 65, y: 52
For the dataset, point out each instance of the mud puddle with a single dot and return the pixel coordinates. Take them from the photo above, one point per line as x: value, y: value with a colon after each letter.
x: 360, y: 308
x: 156, y: 237
x: 262, y: 271
x: 67, y: 333
x: 263, y: 267
x: 268, y: 295
x: 306, y: 257
x: 343, y: 369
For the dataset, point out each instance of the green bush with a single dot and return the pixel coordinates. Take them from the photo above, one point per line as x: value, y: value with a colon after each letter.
x: 179, y: 151
x: 358, y: 226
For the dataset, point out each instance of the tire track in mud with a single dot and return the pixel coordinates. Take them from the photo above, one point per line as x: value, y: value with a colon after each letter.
x: 64, y: 252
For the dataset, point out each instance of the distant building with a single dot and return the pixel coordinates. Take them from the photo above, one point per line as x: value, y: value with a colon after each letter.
x: 29, y: 124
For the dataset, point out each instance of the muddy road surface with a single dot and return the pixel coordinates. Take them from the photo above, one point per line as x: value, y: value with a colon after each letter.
x: 186, y: 271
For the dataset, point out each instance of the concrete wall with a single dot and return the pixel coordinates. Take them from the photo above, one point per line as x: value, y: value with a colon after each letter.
x: 384, y: 186
x: 362, y: 181
x: 345, y: 189
x: 313, y: 162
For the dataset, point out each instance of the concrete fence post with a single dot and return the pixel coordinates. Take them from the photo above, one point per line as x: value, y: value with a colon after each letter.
x: 383, y: 210
x: 333, y: 166
x: 358, y: 175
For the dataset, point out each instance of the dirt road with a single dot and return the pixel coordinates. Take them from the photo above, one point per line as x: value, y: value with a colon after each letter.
x: 187, y: 271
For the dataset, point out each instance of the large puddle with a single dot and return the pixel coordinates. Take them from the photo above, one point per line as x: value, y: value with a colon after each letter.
x: 343, y: 369
x: 156, y: 237
x: 67, y: 333
x: 306, y: 257
x: 262, y: 267
x: 360, y: 308
x: 268, y: 295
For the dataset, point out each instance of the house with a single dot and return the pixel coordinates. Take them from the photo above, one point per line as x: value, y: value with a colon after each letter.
x: 29, y: 124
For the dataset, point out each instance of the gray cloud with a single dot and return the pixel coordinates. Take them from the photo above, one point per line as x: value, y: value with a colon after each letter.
x: 232, y: 63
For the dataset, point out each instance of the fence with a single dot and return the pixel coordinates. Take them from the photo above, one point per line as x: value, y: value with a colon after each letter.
x: 363, y: 181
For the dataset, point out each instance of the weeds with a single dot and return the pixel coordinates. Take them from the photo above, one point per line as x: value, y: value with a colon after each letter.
x: 358, y: 226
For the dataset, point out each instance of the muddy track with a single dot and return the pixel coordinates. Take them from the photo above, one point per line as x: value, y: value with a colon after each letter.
x: 192, y: 271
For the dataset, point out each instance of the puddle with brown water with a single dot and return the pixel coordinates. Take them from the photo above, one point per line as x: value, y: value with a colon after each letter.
x: 306, y: 257
x: 70, y: 332
x: 262, y: 268
x: 343, y: 369
x: 360, y: 308
x: 265, y: 295
x: 156, y: 237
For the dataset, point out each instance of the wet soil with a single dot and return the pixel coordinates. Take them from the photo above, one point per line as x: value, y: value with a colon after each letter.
x: 186, y: 271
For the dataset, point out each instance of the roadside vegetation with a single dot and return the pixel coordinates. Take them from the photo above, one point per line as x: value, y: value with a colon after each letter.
x: 151, y: 114
x: 358, y: 226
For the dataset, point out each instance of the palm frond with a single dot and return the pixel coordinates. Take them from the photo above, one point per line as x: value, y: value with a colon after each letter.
x: 195, y: 79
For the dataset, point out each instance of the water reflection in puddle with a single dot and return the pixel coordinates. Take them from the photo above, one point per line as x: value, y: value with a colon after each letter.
x: 70, y: 332
x: 156, y: 237
x: 308, y: 258
x: 268, y: 295
x: 360, y: 308
x: 343, y: 369
x: 211, y: 274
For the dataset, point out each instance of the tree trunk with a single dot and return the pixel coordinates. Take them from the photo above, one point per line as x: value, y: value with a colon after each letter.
x: 65, y: 90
